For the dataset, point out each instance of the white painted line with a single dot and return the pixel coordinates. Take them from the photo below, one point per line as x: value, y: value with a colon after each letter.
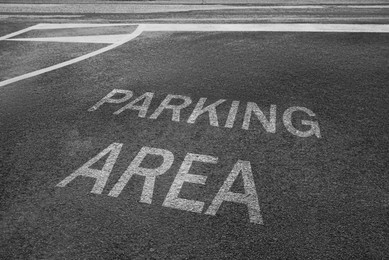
x: 314, y: 7
x: 268, y: 19
x: 109, y: 39
x: 129, y: 37
x: 50, y: 26
x: 368, y: 28
x: 273, y: 27
x: 349, y: 28
x: 17, y: 33
x: 364, y: 6
x: 38, y: 16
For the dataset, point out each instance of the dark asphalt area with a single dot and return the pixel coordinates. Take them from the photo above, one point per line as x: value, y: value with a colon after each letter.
x: 82, y: 14
x: 320, y: 198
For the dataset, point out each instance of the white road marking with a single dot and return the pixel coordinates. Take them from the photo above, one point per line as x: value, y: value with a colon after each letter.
x: 108, y: 98
x: 365, y: 6
x: 200, y: 109
x: 149, y: 174
x: 274, y: 27
x: 148, y: 96
x: 268, y: 18
x: 269, y: 125
x: 172, y: 200
x: 279, y: 27
x: 129, y: 37
x: 267, y: 118
x: 232, y: 114
x: 51, y: 26
x: 287, y: 119
x: 165, y: 104
x: 109, y: 39
x: 39, y: 16
x: 102, y: 175
x: 250, y: 197
x: 18, y: 32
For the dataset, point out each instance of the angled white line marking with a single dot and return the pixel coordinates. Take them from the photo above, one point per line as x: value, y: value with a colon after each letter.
x: 78, y: 39
x: 354, y: 28
x: 17, y: 33
x: 129, y: 37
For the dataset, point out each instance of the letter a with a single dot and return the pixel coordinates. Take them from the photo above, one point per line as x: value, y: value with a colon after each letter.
x: 149, y: 174
x: 102, y: 175
x: 250, y: 197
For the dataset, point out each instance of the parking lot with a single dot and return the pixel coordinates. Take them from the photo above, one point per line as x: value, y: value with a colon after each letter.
x: 130, y: 140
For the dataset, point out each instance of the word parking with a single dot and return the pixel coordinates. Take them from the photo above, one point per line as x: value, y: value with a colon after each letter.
x: 172, y: 199
x: 143, y: 102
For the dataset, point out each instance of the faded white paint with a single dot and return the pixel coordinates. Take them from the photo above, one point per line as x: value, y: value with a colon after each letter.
x: 108, y: 98
x: 149, y: 174
x: 165, y: 104
x: 148, y: 96
x: 102, y: 175
x: 172, y: 200
x: 52, y: 26
x: 108, y: 39
x: 314, y: 126
x: 5, y: 37
x: 250, y: 197
x: 232, y: 114
x: 269, y: 125
x: 129, y: 37
x: 269, y: 27
x: 273, y: 27
x: 200, y: 109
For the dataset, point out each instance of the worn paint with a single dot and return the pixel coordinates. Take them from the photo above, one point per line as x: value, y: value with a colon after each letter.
x: 102, y: 175
x: 172, y: 200
x: 250, y: 197
x: 149, y: 174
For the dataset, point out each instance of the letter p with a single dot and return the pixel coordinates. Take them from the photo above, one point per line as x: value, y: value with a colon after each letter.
x: 109, y: 98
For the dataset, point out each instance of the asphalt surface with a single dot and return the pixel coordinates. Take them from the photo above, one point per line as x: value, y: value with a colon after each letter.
x: 200, y: 2
x: 142, y: 13
x: 320, y: 198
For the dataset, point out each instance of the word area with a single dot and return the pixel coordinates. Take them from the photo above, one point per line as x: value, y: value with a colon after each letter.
x: 172, y: 199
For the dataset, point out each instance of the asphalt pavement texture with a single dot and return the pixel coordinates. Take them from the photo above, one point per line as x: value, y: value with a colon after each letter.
x: 200, y: 2
x: 320, y: 198
x: 143, y: 13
